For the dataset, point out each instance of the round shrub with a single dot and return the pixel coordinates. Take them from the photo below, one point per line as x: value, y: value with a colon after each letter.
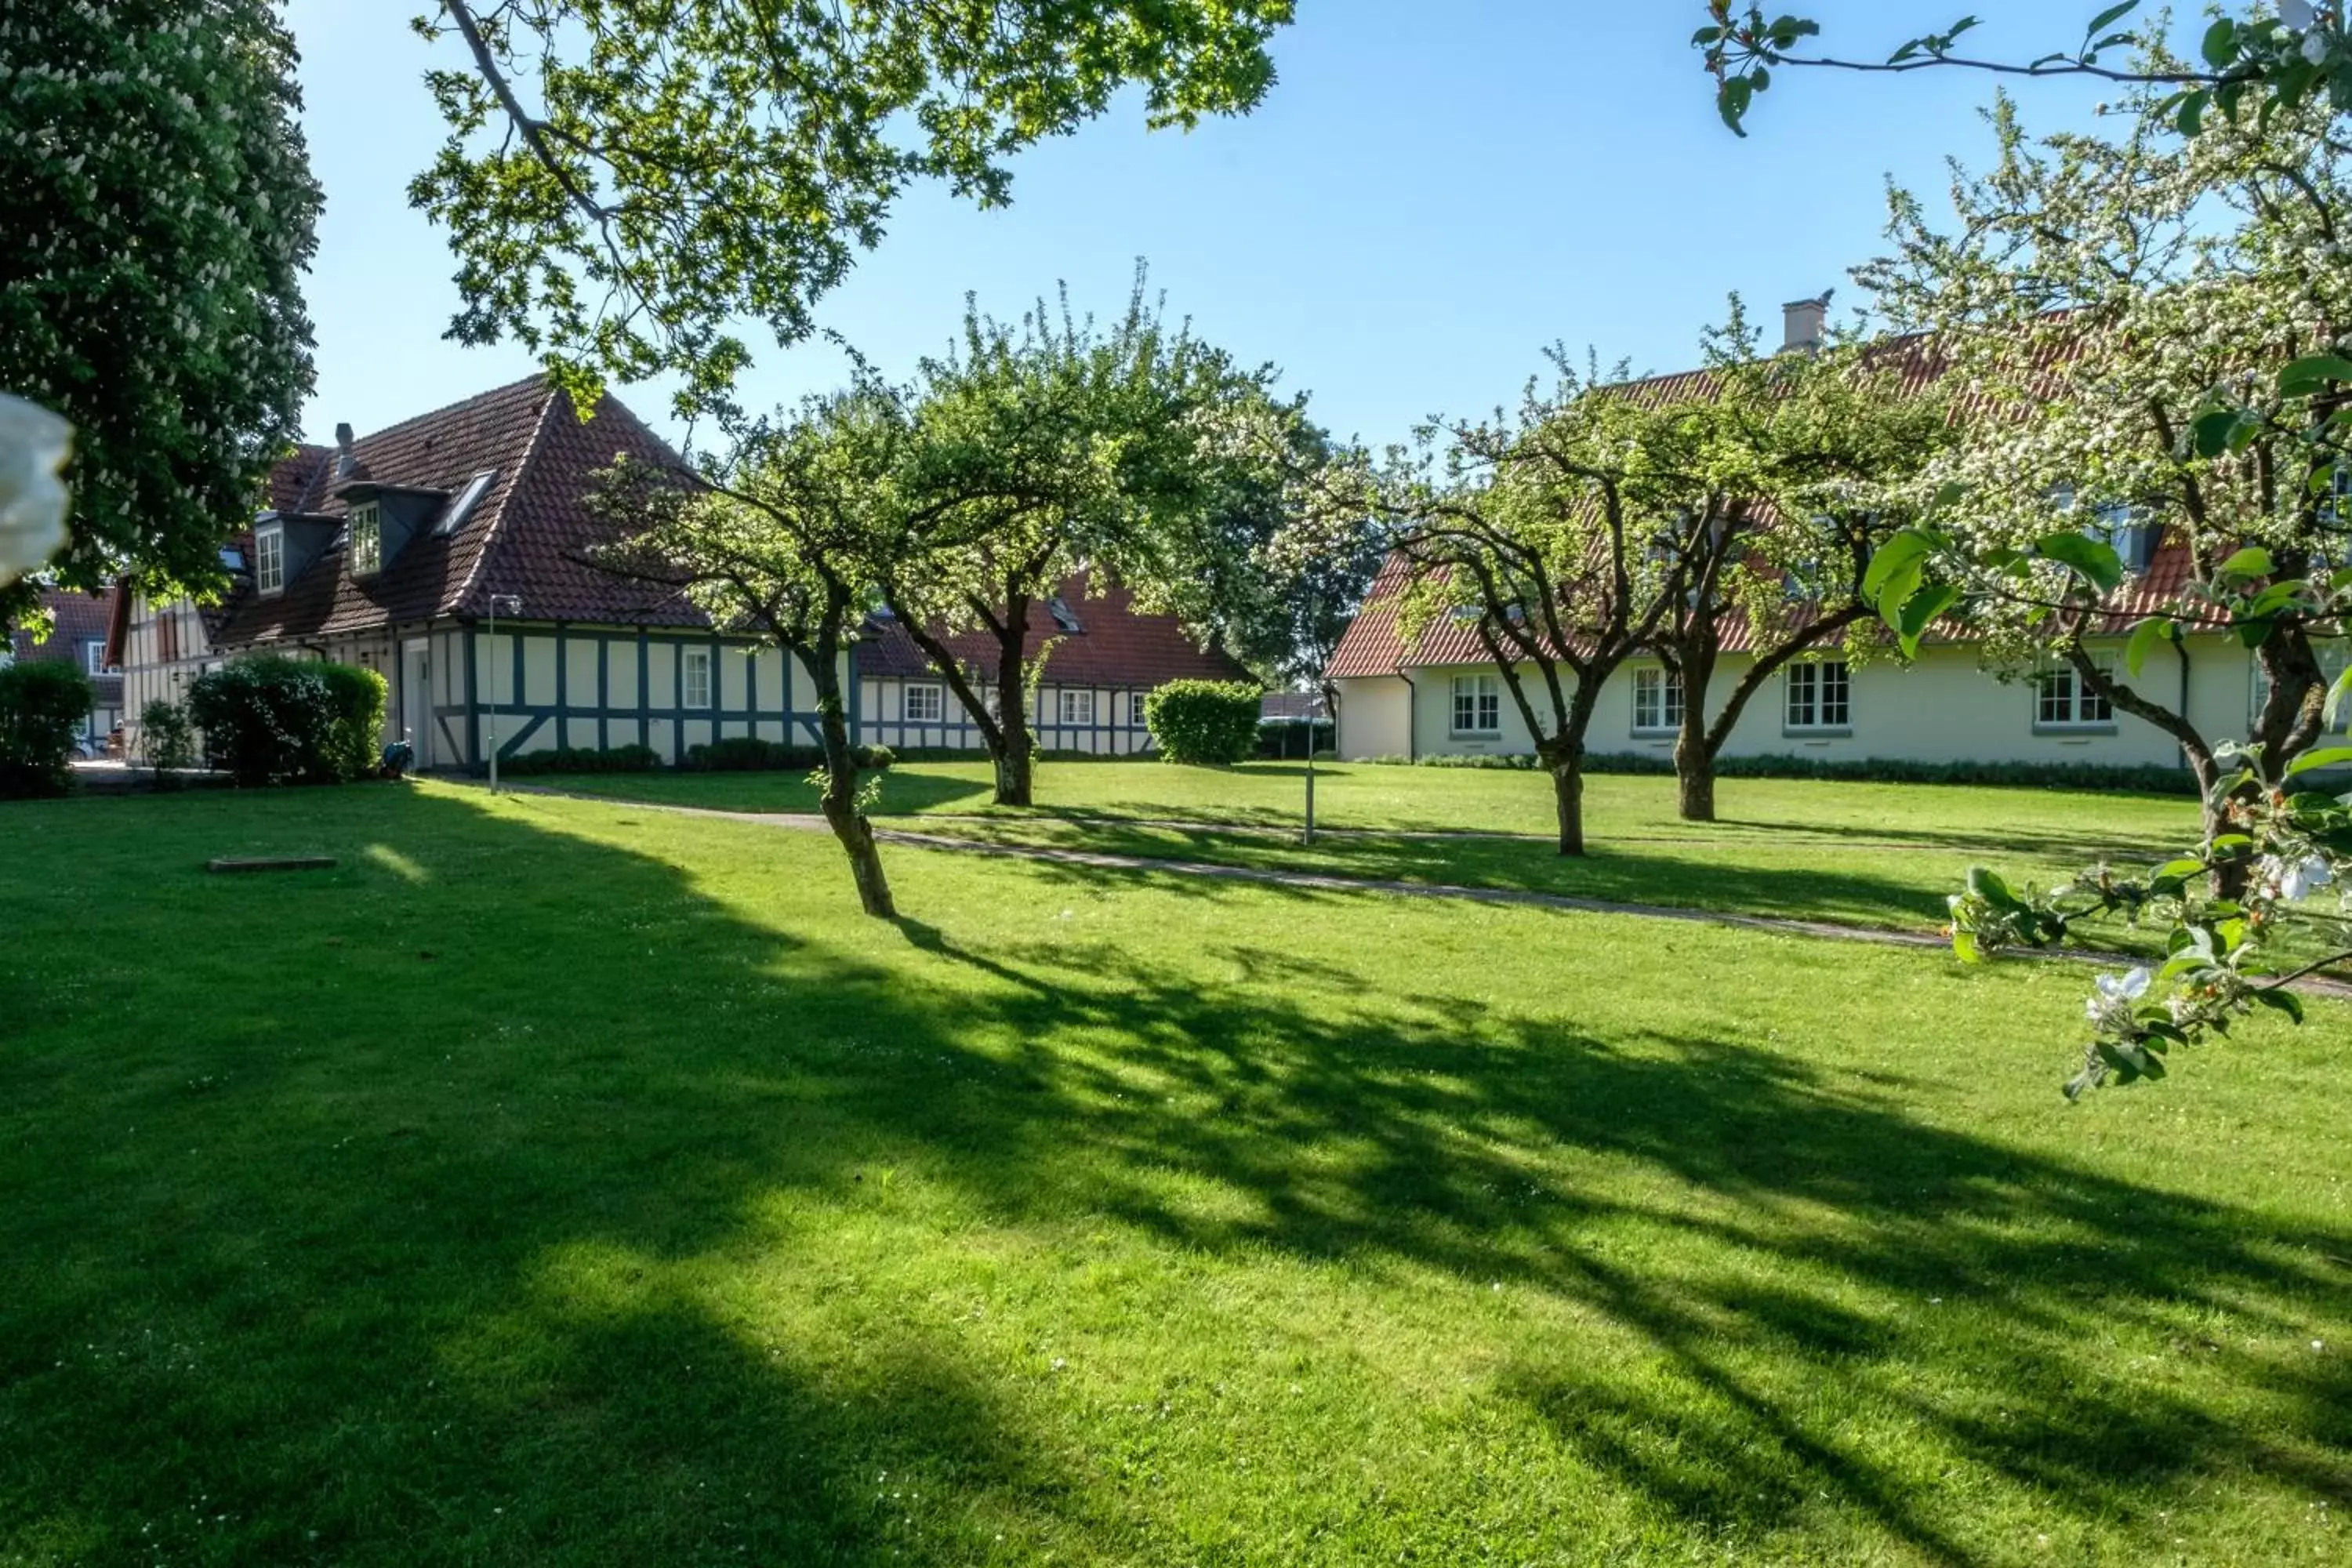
x: 358, y: 696
x: 168, y: 739
x: 42, y: 707
x: 268, y: 720
x: 1203, y: 723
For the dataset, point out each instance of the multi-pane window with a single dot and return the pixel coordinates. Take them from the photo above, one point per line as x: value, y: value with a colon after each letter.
x: 93, y: 657
x: 696, y: 671
x: 270, y: 560
x: 1657, y: 698
x: 2064, y: 700
x: 367, y: 540
x: 1821, y: 696
x: 925, y: 704
x: 1078, y: 706
x: 1477, y: 705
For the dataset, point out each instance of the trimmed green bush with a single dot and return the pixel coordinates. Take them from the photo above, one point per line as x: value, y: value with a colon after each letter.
x: 168, y: 738
x: 581, y: 760
x: 2143, y: 778
x: 1204, y: 723
x: 270, y: 719
x: 749, y: 754
x: 358, y: 696
x: 42, y: 708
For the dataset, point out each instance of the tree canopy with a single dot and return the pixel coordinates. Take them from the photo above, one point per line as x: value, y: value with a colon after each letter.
x: 160, y: 215
x: 625, y: 180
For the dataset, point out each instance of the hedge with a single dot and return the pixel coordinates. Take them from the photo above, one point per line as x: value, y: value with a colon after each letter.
x: 2142, y: 778
x: 581, y: 760
x: 749, y: 754
x: 266, y: 720
x: 1204, y: 723
x: 42, y: 707
x: 358, y: 697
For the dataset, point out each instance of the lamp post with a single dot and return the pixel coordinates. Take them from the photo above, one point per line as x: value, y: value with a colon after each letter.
x: 513, y: 604
x: 1313, y: 716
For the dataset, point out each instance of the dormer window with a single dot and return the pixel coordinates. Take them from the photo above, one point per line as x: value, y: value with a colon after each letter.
x: 367, y: 540
x: 269, y: 559
x: 2123, y: 528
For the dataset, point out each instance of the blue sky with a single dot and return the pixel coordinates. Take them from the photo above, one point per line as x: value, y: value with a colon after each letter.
x: 1432, y: 193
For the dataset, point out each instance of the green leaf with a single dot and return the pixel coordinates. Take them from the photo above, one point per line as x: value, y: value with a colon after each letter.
x: 2251, y: 562
x: 2111, y: 16
x: 2213, y: 431
x: 2187, y: 865
x: 2312, y: 374
x: 1987, y: 884
x: 2338, y: 695
x: 2312, y: 761
x: 2191, y: 118
x: 2092, y: 559
x: 2143, y: 638
x: 1904, y: 549
x: 1920, y: 613
x: 2220, y: 44
x: 1965, y: 946
x: 2282, y: 1001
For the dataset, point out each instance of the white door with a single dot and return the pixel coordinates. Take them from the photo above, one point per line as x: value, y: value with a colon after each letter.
x: 417, y: 700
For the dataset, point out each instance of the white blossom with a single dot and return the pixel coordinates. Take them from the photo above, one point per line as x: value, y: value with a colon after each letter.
x: 2115, y: 993
x: 2290, y: 880
x: 34, y: 443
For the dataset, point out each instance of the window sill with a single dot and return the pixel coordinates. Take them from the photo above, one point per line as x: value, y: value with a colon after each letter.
x: 2074, y: 731
x: 1670, y: 732
x: 1473, y: 734
x: 1817, y: 732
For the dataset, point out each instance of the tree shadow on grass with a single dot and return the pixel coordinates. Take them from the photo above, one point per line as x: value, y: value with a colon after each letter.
x: 511, y: 1205
x: 1820, y: 890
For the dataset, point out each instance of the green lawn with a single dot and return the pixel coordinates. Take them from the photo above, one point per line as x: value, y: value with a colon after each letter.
x: 1884, y: 855
x: 558, y: 1181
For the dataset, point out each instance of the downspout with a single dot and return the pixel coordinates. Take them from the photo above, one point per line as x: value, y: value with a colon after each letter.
x: 1412, y: 716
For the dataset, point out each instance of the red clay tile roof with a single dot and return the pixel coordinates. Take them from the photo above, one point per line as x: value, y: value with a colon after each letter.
x: 1373, y: 645
x: 1118, y: 645
x: 77, y: 618
x: 526, y: 536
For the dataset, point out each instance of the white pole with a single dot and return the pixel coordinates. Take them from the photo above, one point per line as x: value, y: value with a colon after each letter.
x: 494, y: 694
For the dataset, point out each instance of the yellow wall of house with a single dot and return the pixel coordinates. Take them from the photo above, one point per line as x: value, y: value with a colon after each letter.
x: 1945, y: 708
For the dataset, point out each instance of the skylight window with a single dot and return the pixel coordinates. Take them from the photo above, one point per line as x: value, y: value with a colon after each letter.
x: 454, y: 516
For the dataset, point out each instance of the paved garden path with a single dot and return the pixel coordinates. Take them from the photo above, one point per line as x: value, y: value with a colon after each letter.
x: 1322, y: 882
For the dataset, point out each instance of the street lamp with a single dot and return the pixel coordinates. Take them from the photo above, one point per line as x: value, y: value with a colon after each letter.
x: 512, y: 603
x: 1314, y: 717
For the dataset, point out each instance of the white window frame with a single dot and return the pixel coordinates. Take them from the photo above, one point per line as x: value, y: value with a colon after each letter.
x: 1076, y: 706
x: 696, y: 663
x: 1480, y: 696
x: 1817, y: 698
x: 270, y: 560
x: 1659, y: 690
x: 93, y: 657
x: 2076, y: 709
x: 366, y: 523
x: 933, y: 697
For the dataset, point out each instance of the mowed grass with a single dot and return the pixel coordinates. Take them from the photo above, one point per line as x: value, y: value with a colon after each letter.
x: 1878, y: 854
x: 570, y: 1183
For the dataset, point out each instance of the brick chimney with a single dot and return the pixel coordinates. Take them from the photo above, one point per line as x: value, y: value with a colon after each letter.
x: 1805, y: 323
x: 344, y: 460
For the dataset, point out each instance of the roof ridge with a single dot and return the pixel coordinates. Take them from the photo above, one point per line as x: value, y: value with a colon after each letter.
x: 486, y: 395
x: 494, y: 527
